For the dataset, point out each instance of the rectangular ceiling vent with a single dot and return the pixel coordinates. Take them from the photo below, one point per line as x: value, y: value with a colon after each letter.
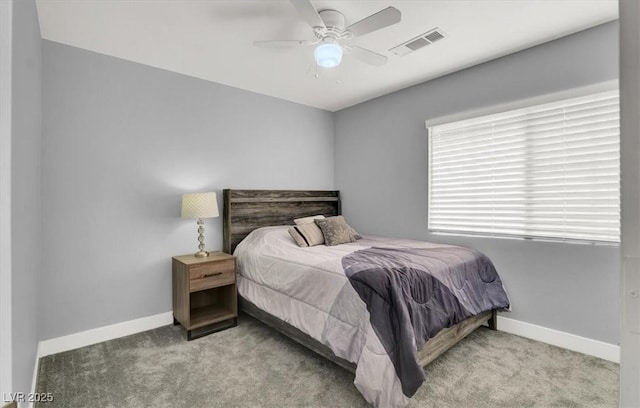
x: 418, y: 42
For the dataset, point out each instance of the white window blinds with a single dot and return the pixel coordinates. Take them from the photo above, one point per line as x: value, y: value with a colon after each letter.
x: 545, y: 171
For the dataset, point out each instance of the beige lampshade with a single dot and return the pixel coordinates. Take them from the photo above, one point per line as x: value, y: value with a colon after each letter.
x: 199, y: 205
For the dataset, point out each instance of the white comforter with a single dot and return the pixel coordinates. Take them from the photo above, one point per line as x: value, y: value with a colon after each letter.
x: 307, y: 288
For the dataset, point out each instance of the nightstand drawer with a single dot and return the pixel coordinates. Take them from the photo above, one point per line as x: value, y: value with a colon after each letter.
x: 207, y: 269
x: 212, y: 280
x: 211, y: 274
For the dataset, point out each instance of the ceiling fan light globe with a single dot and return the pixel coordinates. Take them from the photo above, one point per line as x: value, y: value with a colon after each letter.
x: 328, y: 55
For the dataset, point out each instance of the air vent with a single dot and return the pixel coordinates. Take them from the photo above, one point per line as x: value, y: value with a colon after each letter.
x: 418, y: 42
x: 434, y: 36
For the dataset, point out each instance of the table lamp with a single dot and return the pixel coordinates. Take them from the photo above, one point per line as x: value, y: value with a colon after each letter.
x: 200, y: 205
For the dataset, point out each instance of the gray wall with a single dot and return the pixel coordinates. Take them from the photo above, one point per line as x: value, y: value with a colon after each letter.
x: 381, y: 170
x: 25, y: 190
x: 122, y: 142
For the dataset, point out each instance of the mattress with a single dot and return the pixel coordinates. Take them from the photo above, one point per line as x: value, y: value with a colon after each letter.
x: 331, y: 294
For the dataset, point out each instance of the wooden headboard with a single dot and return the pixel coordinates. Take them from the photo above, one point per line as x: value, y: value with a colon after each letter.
x: 246, y: 210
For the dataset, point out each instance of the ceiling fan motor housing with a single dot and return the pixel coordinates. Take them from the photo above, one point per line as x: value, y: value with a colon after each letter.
x: 334, y: 20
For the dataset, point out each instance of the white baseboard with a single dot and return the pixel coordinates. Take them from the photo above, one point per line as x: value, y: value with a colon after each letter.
x: 606, y: 351
x: 34, y: 379
x: 93, y: 336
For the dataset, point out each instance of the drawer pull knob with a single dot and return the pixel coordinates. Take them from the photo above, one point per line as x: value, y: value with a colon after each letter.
x: 212, y: 274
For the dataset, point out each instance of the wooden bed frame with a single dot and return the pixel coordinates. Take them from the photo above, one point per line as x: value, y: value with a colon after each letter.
x: 246, y: 210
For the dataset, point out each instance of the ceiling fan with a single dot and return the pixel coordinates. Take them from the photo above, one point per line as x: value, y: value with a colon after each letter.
x: 332, y: 37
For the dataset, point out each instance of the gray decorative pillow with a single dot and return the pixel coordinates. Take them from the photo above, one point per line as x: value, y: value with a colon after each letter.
x: 355, y: 233
x: 336, y: 231
x: 307, y: 235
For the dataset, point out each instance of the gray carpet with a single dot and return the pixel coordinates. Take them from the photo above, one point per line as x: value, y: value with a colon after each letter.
x: 253, y: 366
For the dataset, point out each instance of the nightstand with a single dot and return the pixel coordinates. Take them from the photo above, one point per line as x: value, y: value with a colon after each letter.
x: 205, y: 296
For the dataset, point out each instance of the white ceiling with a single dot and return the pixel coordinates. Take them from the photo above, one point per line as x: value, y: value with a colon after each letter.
x: 213, y: 40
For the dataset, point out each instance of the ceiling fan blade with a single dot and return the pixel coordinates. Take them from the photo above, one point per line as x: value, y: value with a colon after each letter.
x: 282, y: 44
x: 308, y: 12
x: 381, y: 19
x: 368, y: 56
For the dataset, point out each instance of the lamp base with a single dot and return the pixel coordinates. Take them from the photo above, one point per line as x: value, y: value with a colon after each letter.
x: 201, y: 254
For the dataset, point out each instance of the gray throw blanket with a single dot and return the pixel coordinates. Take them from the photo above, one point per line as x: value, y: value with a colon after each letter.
x: 411, y: 294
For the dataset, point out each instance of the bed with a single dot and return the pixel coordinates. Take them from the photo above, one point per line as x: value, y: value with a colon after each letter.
x: 278, y: 284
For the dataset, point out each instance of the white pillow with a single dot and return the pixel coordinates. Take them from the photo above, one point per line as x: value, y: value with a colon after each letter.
x: 308, y: 220
x: 307, y: 235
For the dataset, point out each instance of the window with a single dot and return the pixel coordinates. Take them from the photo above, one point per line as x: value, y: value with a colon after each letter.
x: 548, y: 171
